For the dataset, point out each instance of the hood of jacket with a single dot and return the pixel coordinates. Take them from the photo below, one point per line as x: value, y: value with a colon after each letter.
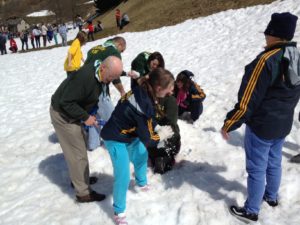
x: 291, y: 57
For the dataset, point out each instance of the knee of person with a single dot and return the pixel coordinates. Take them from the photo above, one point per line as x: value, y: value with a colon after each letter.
x: 274, y: 166
x: 144, y: 155
x: 256, y: 172
x: 195, y: 116
x: 201, y: 108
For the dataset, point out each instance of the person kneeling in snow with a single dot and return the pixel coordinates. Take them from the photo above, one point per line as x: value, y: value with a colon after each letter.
x: 189, y: 97
x: 13, y: 45
x: 143, y: 64
x: 163, y: 158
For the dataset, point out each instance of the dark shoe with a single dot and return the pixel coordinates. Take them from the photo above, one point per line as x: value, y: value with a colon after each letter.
x: 92, y: 197
x: 186, y: 116
x: 271, y: 202
x: 241, y: 214
x: 93, y: 180
x: 163, y: 164
x: 295, y: 159
x: 159, y: 165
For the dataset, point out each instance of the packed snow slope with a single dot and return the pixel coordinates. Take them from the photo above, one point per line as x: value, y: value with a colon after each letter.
x: 210, y: 172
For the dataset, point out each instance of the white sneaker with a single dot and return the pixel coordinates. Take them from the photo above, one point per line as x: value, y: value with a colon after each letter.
x: 120, y: 219
x: 141, y: 189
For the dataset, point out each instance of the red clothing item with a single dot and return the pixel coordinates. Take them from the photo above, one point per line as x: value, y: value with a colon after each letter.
x: 181, y: 97
x: 118, y: 14
x: 91, y: 27
x: 12, y: 43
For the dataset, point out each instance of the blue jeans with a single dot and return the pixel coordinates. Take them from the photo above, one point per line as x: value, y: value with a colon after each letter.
x: 263, y: 165
x: 105, y: 109
x: 121, y: 154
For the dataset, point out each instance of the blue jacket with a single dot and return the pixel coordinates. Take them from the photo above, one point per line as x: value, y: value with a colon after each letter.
x: 132, y: 118
x: 194, y: 94
x: 269, y: 92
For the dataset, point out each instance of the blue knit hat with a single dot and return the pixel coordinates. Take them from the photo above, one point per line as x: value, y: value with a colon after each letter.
x: 282, y: 25
x: 187, y: 73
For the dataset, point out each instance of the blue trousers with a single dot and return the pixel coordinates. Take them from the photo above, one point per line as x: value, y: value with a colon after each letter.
x: 121, y: 154
x: 105, y: 109
x: 263, y: 165
x: 195, y: 107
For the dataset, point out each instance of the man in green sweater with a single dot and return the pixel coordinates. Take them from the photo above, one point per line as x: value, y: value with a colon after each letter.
x: 70, y: 106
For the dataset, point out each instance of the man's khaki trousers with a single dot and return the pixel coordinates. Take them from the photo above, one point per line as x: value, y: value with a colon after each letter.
x: 73, y: 143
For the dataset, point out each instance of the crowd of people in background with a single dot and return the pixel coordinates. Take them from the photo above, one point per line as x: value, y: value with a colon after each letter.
x: 41, y: 35
x: 32, y: 37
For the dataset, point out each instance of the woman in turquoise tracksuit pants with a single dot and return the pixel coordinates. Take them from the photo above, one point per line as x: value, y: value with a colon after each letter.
x: 130, y: 130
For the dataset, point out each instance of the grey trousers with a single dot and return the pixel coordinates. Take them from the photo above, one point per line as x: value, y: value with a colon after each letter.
x: 73, y: 143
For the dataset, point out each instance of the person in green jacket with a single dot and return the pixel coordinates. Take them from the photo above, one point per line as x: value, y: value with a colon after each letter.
x: 144, y: 63
x: 112, y: 47
x: 163, y: 158
x: 69, y: 111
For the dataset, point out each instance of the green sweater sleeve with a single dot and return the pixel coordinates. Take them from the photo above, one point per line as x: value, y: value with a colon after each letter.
x: 139, y: 64
x: 171, y: 110
x: 71, y: 100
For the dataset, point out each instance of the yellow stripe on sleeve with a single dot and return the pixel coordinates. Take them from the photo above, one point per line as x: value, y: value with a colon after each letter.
x: 128, y: 131
x: 153, y: 136
x: 249, y: 89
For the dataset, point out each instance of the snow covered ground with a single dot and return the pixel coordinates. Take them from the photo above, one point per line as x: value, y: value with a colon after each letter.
x: 210, y: 173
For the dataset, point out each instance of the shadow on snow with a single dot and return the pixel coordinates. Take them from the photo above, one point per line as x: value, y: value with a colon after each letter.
x: 205, y: 177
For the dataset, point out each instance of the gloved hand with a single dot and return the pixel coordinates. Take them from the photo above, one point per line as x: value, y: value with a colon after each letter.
x: 164, y: 132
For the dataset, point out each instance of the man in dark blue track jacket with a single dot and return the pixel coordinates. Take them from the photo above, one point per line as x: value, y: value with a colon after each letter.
x: 268, y: 94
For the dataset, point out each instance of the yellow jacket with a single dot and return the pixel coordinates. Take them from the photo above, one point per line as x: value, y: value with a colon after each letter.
x: 76, y: 53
